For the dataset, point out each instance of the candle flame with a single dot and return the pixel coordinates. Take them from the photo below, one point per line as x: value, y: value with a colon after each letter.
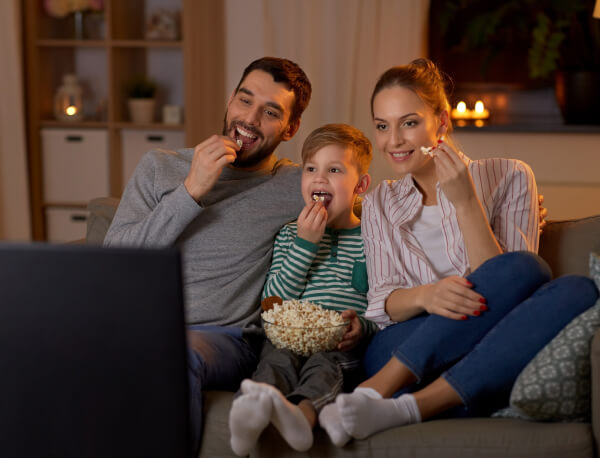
x: 71, y: 110
x: 479, y: 107
x: 461, y: 107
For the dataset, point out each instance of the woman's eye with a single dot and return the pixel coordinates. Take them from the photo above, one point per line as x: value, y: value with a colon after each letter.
x: 380, y: 126
x: 410, y: 123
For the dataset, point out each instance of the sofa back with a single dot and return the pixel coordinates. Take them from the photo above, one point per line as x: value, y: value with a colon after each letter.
x: 565, y: 245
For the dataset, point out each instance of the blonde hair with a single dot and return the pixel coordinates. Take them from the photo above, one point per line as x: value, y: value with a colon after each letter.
x: 343, y: 135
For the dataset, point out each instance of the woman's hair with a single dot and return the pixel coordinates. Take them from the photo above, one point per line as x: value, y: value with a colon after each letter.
x: 420, y: 76
x: 343, y: 135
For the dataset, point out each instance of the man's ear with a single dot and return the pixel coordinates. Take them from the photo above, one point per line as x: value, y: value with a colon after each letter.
x: 363, y: 184
x: 291, y: 130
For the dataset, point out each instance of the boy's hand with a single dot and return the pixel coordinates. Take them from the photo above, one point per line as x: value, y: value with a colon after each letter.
x: 312, y: 221
x: 353, y: 332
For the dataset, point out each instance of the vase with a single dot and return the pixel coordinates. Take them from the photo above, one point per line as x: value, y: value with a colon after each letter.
x: 577, y: 94
x: 141, y: 111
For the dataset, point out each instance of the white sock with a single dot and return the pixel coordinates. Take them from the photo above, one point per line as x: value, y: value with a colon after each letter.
x: 331, y: 421
x: 249, y: 416
x: 285, y: 416
x: 365, y: 412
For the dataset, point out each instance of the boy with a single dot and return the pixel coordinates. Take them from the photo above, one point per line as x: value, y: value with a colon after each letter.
x: 320, y: 258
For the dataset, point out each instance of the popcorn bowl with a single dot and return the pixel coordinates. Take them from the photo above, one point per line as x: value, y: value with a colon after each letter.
x: 304, y: 340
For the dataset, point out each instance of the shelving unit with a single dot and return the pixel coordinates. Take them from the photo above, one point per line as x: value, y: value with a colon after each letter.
x: 104, y: 60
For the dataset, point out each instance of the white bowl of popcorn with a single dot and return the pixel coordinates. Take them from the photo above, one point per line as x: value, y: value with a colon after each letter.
x: 303, y: 327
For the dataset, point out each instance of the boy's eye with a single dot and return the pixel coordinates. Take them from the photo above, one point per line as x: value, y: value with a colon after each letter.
x: 309, y: 168
x: 334, y: 170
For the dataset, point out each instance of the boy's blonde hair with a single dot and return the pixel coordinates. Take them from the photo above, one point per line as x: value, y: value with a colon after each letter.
x: 343, y: 135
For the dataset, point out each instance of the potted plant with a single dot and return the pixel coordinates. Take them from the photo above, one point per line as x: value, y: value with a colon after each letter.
x: 562, y: 37
x: 141, y: 93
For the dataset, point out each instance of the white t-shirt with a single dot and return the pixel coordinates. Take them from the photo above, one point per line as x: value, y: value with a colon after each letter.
x: 427, y: 229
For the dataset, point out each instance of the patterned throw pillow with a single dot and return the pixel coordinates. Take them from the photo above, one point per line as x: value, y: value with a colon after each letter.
x: 555, y: 385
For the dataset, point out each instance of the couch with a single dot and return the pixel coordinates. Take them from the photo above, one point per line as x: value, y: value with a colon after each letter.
x: 565, y: 245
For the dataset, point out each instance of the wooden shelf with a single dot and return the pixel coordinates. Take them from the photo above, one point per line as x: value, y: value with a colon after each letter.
x: 115, y: 50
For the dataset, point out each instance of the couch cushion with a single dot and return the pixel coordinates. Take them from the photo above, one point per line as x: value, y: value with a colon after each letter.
x: 102, y: 210
x: 441, y: 438
x: 565, y: 245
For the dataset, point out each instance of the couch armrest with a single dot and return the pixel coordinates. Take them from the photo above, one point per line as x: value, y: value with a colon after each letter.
x: 595, y: 357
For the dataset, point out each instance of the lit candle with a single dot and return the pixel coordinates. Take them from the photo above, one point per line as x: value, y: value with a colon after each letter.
x: 461, y: 111
x: 71, y: 110
x: 480, y: 111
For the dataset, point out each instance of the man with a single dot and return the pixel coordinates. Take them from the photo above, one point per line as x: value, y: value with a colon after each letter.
x: 222, y: 203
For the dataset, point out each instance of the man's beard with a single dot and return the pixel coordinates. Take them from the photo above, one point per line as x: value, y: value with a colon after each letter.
x: 249, y: 160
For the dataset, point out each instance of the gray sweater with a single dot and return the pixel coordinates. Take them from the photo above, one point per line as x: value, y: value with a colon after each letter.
x: 226, y: 242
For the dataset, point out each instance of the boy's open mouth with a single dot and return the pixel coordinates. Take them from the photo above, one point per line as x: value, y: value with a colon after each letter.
x: 322, y: 196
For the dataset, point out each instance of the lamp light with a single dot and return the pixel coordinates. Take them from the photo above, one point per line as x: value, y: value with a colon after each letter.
x: 68, y: 104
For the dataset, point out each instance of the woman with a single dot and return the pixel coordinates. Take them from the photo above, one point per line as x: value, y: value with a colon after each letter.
x: 463, y: 301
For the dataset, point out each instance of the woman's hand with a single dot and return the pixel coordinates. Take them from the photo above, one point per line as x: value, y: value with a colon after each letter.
x: 453, y: 175
x: 353, y: 332
x: 452, y: 297
x: 312, y: 221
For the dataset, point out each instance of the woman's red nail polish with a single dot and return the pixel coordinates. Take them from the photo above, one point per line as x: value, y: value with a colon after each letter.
x: 464, y: 317
x: 440, y: 141
x: 469, y: 283
x: 483, y: 308
x: 476, y: 312
x: 482, y: 300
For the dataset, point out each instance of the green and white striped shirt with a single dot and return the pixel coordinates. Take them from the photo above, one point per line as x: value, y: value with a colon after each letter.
x: 332, y: 274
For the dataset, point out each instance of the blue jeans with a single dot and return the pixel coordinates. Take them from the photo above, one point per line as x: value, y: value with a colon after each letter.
x: 219, y: 358
x: 482, y: 356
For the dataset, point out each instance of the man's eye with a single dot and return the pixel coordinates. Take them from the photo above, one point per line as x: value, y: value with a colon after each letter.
x: 244, y: 101
x: 272, y: 114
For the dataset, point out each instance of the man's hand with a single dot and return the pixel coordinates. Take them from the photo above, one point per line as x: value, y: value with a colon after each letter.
x: 312, y: 221
x: 210, y: 157
x: 353, y: 332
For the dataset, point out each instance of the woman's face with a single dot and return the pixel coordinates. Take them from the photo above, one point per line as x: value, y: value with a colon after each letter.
x: 403, y: 124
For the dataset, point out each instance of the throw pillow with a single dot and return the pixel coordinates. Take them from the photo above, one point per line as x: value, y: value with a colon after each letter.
x: 555, y: 385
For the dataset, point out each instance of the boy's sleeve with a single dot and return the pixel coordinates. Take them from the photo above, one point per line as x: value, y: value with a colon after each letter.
x: 292, y: 259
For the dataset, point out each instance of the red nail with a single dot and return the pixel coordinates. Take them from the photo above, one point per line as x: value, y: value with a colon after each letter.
x: 483, y: 308
x: 464, y: 317
x: 482, y: 300
x: 476, y: 312
x: 469, y: 283
x: 440, y: 141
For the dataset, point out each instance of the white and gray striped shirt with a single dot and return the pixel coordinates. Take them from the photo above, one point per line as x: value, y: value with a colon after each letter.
x: 395, y: 259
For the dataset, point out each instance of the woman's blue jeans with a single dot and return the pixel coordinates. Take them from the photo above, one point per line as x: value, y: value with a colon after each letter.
x: 481, y: 357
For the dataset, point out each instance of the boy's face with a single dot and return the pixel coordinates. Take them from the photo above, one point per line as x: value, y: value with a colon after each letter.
x: 332, y: 175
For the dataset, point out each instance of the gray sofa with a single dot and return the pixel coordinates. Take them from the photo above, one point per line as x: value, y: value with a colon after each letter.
x: 565, y: 245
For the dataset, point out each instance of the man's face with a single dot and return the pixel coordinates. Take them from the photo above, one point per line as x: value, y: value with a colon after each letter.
x: 258, y: 114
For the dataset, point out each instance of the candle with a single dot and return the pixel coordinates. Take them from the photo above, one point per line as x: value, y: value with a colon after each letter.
x: 461, y: 111
x: 480, y: 112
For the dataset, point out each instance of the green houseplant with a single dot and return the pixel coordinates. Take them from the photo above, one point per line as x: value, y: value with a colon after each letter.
x: 562, y: 37
x: 141, y: 92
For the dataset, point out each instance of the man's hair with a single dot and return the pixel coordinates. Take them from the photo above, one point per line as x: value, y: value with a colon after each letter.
x: 343, y: 135
x: 287, y: 72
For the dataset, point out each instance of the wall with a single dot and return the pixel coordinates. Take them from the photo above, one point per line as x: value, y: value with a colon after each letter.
x: 566, y: 165
x: 14, y: 196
